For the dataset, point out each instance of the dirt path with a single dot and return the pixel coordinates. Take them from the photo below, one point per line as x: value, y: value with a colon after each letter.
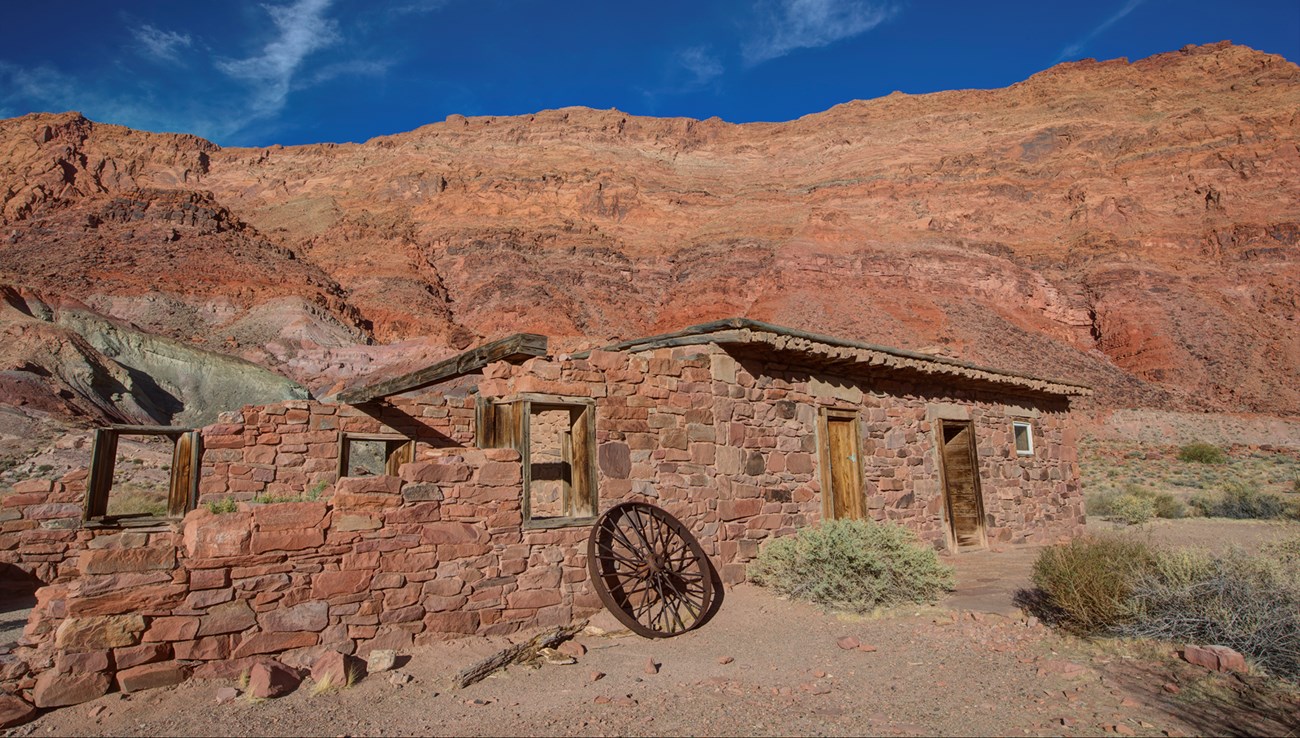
x: 933, y: 671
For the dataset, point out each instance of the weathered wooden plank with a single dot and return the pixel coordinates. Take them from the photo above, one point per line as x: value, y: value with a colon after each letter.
x: 516, y: 654
x: 518, y: 347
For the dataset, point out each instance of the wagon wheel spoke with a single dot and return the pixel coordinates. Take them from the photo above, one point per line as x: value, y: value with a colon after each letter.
x: 649, y: 571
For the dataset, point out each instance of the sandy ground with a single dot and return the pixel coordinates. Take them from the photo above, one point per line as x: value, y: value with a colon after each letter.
x: 953, y: 669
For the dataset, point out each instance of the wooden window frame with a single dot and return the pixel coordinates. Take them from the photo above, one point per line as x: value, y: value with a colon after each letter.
x: 1029, y: 435
x: 506, y: 423
x: 398, y: 450
x: 824, y: 415
x: 186, y: 470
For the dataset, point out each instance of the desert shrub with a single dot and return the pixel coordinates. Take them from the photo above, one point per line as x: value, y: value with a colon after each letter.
x: 1132, y: 509
x: 1248, y: 603
x: 1241, y: 501
x: 1285, y: 551
x: 1202, y: 453
x: 222, y: 506
x: 852, y: 565
x: 1087, y: 582
x: 1135, y: 505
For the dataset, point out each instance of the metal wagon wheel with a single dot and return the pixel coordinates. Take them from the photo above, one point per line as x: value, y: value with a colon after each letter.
x: 649, y: 570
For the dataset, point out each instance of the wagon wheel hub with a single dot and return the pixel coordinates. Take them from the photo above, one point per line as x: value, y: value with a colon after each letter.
x: 649, y: 571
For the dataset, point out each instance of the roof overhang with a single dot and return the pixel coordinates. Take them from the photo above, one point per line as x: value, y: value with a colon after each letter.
x: 839, y: 354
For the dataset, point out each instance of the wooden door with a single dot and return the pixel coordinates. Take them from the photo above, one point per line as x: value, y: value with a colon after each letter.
x: 961, y: 484
x: 844, y: 472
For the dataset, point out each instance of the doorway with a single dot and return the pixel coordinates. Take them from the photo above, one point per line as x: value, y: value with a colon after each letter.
x: 961, y: 484
x: 841, y: 466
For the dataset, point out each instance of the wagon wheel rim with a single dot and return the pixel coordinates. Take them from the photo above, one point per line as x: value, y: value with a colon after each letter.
x: 649, y: 571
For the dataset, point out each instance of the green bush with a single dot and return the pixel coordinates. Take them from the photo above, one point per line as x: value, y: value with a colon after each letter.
x: 1087, y: 582
x: 1240, y: 501
x: 1132, y: 509
x: 852, y: 565
x: 1202, y: 453
x: 222, y: 506
x: 1135, y: 505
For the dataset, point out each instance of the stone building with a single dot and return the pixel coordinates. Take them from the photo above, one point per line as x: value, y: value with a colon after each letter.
x: 457, y: 499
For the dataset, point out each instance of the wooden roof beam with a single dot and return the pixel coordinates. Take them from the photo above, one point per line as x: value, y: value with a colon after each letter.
x: 515, y: 348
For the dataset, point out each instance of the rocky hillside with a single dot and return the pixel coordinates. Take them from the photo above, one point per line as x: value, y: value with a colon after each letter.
x: 1131, y: 225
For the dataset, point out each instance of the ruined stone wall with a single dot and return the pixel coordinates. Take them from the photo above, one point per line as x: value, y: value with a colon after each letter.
x: 40, y: 521
x: 384, y: 562
x: 729, y: 445
x: 286, y: 449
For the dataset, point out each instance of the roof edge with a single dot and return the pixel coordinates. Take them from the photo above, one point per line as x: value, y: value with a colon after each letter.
x: 691, y: 335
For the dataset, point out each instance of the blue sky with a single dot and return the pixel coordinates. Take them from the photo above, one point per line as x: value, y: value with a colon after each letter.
x: 300, y: 71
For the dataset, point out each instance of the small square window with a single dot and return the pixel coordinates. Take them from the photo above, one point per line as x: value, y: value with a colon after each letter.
x: 1024, y: 434
x: 363, y: 455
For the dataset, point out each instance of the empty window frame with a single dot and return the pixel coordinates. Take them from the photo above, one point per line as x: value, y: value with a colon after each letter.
x: 374, y: 454
x: 1024, y: 438
x: 141, y: 474
x: 556, y: 440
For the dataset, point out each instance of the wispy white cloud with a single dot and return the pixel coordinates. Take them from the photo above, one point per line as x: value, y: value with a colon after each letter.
x: 1073, y: 49
x: 788, y: 25
x: 353, y: 68
x: 159, y: 44
x: 416, y: 7
x: 302, y: 29
x: 700, y: 65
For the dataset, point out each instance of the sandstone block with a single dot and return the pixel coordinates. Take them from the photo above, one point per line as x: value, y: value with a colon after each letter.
x: 58, y: 690
x: 287, y: 540
x: 93, y: 633
x: 351, y: 523
x: 208, y: 535
x: 313, y: 616
x: 270, y: 679
x: 260, y: 643
x: 434, y: 472
x: 15, y: 711
x: 81, y: 663
x: 145, y: 653
x: 209, y: 578
x: 151, y: 676
x: 172, y: 629
x: 423, y: 491
x: 615, y: 459
x: 381, y: 485
x: 230, y: 617
x: 289, y: 516
x: 381, y: 659
x: 451, y: 533
x: 208, y: 648
x: 332, y: 583
x: 337, y: 670
x: 533, y: 599
x: 1217, y: 658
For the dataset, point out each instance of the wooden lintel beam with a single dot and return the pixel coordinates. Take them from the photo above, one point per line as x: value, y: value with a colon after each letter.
x: 518, y: 347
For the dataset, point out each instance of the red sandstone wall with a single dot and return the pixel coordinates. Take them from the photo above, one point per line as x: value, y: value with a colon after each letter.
x: 385, y: 562
x: 728, y: 446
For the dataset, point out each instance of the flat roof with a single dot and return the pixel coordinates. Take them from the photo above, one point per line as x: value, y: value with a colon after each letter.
x: 842, y: 351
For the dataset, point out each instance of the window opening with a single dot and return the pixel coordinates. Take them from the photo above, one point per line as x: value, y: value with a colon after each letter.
x: 142, y: 473
x: 556, y: 440
x: 1024, y: 436
x: 363, y: 455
